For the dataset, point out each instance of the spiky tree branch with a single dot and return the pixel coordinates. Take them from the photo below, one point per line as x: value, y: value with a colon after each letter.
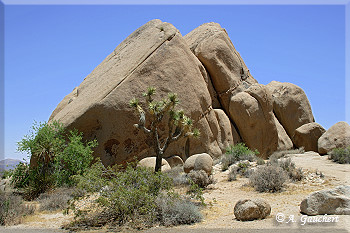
x: 179, y: 125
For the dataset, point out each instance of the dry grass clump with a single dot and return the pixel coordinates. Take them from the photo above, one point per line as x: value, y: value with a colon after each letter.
x: 268, y: 178
x: 282, y: 153
x: 12, y: 209
x: 56, y: 200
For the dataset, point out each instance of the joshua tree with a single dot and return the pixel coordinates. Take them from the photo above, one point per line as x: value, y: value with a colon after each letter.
x: 179, y: 125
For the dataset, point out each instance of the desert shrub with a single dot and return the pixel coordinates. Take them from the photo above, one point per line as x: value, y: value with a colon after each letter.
x: 20, y: 176
x: 282, y: 153
x: 340, y: 155
x: 178, y: 176
x: 201, y: 178
x: 56, y: 200
x: 260, y: 161
x: 55, y: 158
x: 12, y: 209
x: 241, y: 169
x: 268, y: 178
x: 174, y: 211
x: 294, y: 173
x: 4, y: 174
x: 236, y: 153
x: 136, y: 196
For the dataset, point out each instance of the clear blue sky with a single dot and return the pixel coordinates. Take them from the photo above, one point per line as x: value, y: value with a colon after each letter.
x: 50, y: 49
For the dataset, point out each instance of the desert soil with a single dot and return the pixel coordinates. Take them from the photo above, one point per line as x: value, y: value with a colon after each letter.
x: 222, y: 196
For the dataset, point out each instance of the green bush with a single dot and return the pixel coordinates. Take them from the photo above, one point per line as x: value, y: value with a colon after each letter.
x: 129, y: 197
x: 241, y: 169
x: 236, y: 153
x: 55, y: 158
x: 340, y: 155
x: 268, y: 178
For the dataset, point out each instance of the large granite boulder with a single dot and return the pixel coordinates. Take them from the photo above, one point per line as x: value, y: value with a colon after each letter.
x: 291, y: 106
x: 248, y: 210
x: 252, y: 112
x: 198, y: 162
x: 228, y: 72
x: 228, y: 134
x: 334, y: 201
x: 337, y: 136
x: 154, y: 55
x: 150, y: 162
x: 307, y: 136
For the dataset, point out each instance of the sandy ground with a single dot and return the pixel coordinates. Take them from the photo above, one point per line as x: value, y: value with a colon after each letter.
x: 222, y: 196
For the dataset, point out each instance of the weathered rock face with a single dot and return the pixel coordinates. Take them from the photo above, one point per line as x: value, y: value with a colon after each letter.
x: 337, y: 136
x: 334, y: 201
x: 213, y: 47
x: 214, y: 86
x: 154, y: 55
x: 252, y: 112
x: 307, y: 136
x: 228, y: 134
x: 291, y: 106
x: 248, y: 210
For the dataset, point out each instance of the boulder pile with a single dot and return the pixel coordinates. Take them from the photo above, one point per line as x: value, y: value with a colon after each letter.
x: 215, y: 88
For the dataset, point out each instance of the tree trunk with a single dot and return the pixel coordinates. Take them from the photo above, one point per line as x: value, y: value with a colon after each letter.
x: 187, y: 148
x: 158, y: 161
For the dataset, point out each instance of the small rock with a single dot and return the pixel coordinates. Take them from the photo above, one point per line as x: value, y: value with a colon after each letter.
x: 247, y: 210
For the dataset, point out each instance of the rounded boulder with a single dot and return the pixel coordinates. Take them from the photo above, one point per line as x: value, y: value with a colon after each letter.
x: 248, y: 210
x: 151, y: 163
x: 199, y: 162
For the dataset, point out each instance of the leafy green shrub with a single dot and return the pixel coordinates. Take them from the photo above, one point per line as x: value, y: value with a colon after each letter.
x: 282, y: 153
x: 12, y: 209
x: 55, y: 158
x: 268, y: 178
x: 135, y: 196
x: 74, y: 159
x: 236, y: 153
x: 201, y: 178
x: 20, y: 176
x: 340, y: 155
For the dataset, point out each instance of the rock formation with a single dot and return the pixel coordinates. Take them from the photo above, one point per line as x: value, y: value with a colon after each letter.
x: 334, y: 201
x: 214, y: 86
x: 337, y: 136
x: 307, y: 136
